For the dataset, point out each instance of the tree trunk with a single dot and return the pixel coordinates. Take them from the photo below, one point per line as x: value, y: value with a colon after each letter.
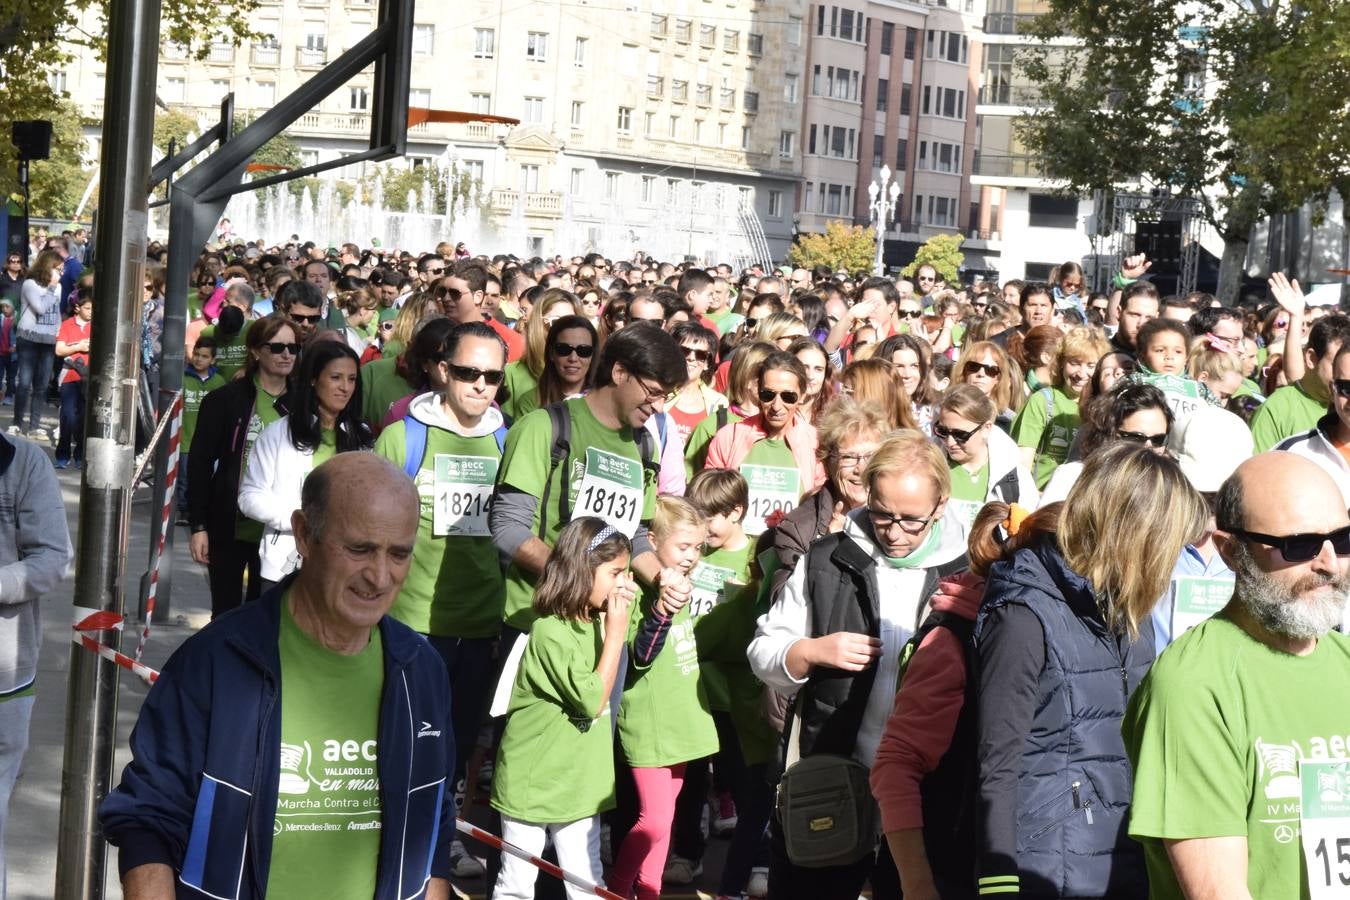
x: 1231, y: 268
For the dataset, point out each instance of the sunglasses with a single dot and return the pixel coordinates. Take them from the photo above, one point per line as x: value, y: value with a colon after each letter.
x: 583, y: 351
x: 1296, y: 548
x: 387, y: 326
x: 956, y: 434
x: 1138, y: 437
x: 767, y: 396
x: 750, y: 322
x: 926, y: 278
x: 436, y: 271
x: 973, y: 367
x: 470, y: 375
x: 307, y: 320
x: 276, y: 348
x: 701, y: 355
x: 908, y: 313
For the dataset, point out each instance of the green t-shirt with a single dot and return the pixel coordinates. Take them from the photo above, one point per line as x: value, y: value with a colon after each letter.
x: 195, y: 388
x: 726, y: 320
x: 231, y: 354
x: 381, y: 387
x: 775, y: 482
x: 1051, y: 440
x: 718, y: 577
x: 723, y: 637
x: 265, y: 412
x: 1216, y: 732
x: 664, y: 718
x: 327, y: 448
x: 1291, y: 410
x: 455, y: 584
x: 607, y: 461
x: 696, y: 448
x: 556, y: 759
x: 326, y: 840
x: 522, y: 391
x: 968, y: 492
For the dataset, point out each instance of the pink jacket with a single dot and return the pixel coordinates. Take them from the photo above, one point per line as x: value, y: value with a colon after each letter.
x: 733, y: 441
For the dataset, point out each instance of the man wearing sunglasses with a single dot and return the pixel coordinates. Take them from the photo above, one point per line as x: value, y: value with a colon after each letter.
x: 1236, y: 733
x: 450, y: 444
x: 1326, y: 441
x: 834, y: 635
x: 463, y: 297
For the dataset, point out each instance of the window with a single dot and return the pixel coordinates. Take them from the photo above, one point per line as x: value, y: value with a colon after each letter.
x: 536, y: 46
x: 883, y: 93
x: 359, y: 98
x: 911, y: 38
x: 918, y: 209
x: 949, y: 103
x: 679, y: 91
x: 808, y: 200
x: 672, y: 191
x: 878, y: 149
x: 484, y: 43
x: 751, y: 101
x: 578, y: 109
x: 649, y: 189
x: 424, y: 38
x: 658, y: 25
x: 265, y: 93
x: 57, y: 81
x: 628, y: 61
x: 579, y: 52
x: 684, y: 29
x: 745, y: 137
x: 902, y: 155
x: 787, y: 144
x: 419, y: 97
x: 707, y: 36
x: 480, y: 103
x: 775, y: 204
x: 612, y: 185
x: 673, y: 127
x: 474, y: 169
x: 906, y: 98
x: 837, y: 138
x: 220, y: 86
x: 721, y: 134
x: 887, y: 37
x: 174, y: 90
x: 656, y: 86
x: 754, y: 44
x: 534, y: 111
x: 834, y: 200
x: 811, y: 140
x: 1049, y: 211
x: 731, y: 40
x: 649, y: 124
x: 794, y: 31
x: 790, y: 88
x: 944, y: 157
x: 574, y: 183
x: 698, y: 131
x: 529, y: 179
x: 747, y: 197
x: 696, y: 195
x: 728, y: 94
x: 927, y: 99
x: 625, y: 120
x: 704, y: 95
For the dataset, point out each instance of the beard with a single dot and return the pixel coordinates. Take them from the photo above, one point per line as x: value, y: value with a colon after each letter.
x: 1305, y: 610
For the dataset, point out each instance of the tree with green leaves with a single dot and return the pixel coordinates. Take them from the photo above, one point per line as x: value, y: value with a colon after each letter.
x: 1240, y: 106
x: 844, y: 248
x: 943, y: 253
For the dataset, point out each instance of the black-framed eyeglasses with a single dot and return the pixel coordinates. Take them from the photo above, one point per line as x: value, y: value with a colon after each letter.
x: 1297, y: 548
x: 470, y: 375
x: 882, y: 521
x: 700, y: 355
x: 767, y: 396
x: 276, y: 348
x: 654, y: 393
x: 972, y: 367
x: 583, y: 351
x: 307, y: 320
x: 1138, y: 437
x: 956, y: 434
x: 1342, y: 387
x: 908, y: 313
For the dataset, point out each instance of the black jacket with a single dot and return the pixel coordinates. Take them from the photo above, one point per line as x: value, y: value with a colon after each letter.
x: 215, y: 461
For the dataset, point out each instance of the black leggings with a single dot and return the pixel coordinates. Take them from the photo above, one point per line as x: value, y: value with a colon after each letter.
x: 229, y: 560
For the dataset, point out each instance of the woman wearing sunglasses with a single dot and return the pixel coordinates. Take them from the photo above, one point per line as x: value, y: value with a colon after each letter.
x: 570, y: 360
x: 520, y: 392
x: 986, y: 365
x: 984, y: 462
x: 228, y: 424
x: 324, y: 420
x: 775, y: 449
x: 695, y: 400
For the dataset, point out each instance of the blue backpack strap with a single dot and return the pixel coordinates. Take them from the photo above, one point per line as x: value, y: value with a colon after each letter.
x: 661, y: 420
x: 415, y: 444
x: 500, y: 435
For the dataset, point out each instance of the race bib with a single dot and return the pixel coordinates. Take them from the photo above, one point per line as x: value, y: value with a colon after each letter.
x: 1195, y: 599
x: 1325, y: 827
x: 773, y: 489
x: 611, y: 489
x: 462, y: 495
x: 709, y: 587
x: 1182, y: 394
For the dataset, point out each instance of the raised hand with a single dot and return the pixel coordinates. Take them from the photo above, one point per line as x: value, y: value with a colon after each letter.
x: 1287, y: 294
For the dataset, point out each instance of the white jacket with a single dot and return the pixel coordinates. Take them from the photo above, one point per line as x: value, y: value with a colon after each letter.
x: 1316, y: 446
x: 899, y: 597
x: 1004, y: 457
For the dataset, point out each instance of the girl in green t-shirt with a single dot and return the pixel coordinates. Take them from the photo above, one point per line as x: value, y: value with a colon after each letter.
x: 1045, y: 427
x: 555, y: 765
x: 664, y: 720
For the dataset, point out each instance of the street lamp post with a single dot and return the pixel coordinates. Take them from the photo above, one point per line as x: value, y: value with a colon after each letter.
x: 882, y: 204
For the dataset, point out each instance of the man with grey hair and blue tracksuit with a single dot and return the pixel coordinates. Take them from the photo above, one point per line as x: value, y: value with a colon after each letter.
x: 299, y: 745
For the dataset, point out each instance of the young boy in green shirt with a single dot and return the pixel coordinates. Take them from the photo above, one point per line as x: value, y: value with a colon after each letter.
x: 199, y: 379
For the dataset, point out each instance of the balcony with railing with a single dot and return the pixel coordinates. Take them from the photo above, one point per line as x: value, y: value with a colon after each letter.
x: 504, y: 201
x: 320, y: 122
x: 262, y: 55
x: 220, y: 53
x: 1008, y: 22
x: 311, y: 57
x: 656, y: 86
x: 1008, y: 166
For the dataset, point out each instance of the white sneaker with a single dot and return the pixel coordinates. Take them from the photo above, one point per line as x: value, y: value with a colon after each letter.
x: 758, y: 885
x: 14, y: 429
x: 681, y: 871
x: 37, y: 434
x: 462, y: 864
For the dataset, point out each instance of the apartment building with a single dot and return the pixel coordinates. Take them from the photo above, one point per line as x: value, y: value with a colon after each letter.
x: 669, y: 127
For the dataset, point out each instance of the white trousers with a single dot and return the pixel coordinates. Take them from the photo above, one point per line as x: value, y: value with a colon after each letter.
x: 577, y: 845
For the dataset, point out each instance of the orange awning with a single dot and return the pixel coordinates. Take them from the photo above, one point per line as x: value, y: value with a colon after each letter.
x: 418, y: 115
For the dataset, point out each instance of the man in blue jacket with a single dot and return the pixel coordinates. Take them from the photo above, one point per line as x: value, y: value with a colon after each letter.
x: 299, y: 746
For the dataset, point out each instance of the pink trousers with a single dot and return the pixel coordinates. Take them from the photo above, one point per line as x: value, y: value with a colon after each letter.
x: 642, y: 858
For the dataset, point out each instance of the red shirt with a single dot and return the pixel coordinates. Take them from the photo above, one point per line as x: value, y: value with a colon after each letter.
x: 515, y: 344
x: 72, y: 331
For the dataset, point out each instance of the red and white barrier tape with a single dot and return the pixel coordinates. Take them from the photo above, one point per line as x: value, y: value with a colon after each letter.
x: 492, y: 840
x: 166, y: 516
x: 87, y: 620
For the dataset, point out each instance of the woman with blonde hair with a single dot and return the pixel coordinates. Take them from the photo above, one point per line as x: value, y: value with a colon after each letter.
x: 984, y: 462
x: 1045, y: 427
x: 870, y: 381
x: 781, y: 329
x: 520, y: 389
x: 1062, y: 639
x: 987, y: 366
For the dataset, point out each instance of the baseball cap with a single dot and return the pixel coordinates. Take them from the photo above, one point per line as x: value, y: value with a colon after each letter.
x: 1210, y: 445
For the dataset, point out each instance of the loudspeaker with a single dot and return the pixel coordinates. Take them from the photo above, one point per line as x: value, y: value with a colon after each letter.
x: 33, y: 139
x: 1162, y: 242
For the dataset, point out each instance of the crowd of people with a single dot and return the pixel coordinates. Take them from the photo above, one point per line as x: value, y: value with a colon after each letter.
x: 952, y: 590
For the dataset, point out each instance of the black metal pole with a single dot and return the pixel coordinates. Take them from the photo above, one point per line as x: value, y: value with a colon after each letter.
x: 110, y: 434
x: 23, y: 180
